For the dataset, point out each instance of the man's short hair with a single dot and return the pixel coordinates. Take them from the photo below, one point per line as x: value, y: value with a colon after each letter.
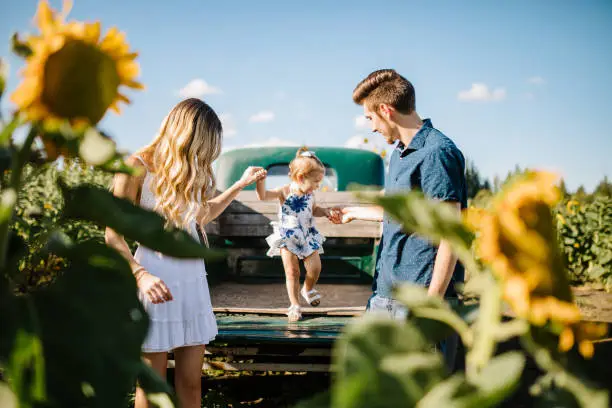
x: 388, y: 87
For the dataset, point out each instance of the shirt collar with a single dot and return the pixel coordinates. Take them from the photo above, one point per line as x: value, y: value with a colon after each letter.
x: 418, y: 141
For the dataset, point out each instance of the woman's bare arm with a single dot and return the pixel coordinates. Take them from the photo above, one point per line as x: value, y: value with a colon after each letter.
x: 217, y: 205
x: 126, y: 186
x: 129, y: 187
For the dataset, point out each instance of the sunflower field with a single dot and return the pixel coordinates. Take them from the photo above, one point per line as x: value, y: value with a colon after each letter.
x: 585, y: 235
x: 38, y: 214
x: 72, y: 324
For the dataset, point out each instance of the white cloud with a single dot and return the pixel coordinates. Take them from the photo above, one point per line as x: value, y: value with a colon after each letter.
x: 536, y: 80
x: 229, y: 125
x: 262, y: 117
x: 197, y: 88
x: 481, y: 92
x: 361, y: 122
x: 273, y: 141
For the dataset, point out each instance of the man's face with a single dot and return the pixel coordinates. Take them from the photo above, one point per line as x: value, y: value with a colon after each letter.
x: 381, y: 125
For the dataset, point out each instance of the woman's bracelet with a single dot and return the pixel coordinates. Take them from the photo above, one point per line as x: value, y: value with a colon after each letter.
x: 138, y: 271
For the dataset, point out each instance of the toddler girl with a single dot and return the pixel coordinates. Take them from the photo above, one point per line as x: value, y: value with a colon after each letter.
x: 295, y: 236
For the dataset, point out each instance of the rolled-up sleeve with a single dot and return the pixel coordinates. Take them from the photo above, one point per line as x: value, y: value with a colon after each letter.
x: 442, y: 173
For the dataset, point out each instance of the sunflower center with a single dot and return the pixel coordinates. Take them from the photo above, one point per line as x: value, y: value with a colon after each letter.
x: 80, y: 81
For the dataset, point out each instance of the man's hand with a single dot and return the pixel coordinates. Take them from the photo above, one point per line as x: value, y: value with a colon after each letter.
x: 344, y: 215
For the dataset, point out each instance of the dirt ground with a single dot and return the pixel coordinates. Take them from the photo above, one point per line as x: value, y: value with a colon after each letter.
x: 595, y: 304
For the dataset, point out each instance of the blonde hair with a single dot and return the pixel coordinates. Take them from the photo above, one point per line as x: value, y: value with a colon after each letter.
x: 180, y: 159
x: 305, y: 164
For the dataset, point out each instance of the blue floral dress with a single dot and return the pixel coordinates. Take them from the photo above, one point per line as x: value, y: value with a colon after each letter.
x: 295, y: 229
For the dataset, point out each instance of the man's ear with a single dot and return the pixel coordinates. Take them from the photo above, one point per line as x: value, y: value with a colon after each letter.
x: 385, y: 110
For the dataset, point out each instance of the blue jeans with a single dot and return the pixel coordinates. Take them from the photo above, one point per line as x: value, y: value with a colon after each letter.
x: 396, y: 310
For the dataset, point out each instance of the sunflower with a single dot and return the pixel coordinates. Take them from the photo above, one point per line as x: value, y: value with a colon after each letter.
x: 517, y: 240
x: 73, y: 74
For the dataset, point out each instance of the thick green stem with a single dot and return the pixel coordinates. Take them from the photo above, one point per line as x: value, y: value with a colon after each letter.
x: 18, y: 163
x: 485, y: 329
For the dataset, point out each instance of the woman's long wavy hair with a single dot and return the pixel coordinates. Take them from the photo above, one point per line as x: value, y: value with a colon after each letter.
x: 180, y: 160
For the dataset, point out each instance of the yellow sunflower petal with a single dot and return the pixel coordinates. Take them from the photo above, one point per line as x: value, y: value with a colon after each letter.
x: 130, y: 56
x: 592, y: 330
x: 26, y: 93
x: 92, y: 32
x: 128, y: 70
x: 134, y: 85
x: 570, y: 206
x: 539, y: 312
x: 122, y: 98
x: 66, y: 8
x: 516, y: 293
x: 566, y: 339
x: 55, y: 43
x: 586, y: 349
x: 115, y: 107
x: 564, y: 312
x: 44, y: 19
x: 114, y: 43
x: 75, y: 29
x: 474, y: 218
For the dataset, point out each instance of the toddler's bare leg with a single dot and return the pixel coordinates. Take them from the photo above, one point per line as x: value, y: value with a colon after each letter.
x: 313, y: 270
x: 292, y: 275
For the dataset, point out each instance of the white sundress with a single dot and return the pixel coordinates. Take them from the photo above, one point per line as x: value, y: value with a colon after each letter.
x: 295, y: 228
x: 188, y: 319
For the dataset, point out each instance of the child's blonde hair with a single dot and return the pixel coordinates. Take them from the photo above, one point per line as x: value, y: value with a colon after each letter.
x: 305, y: 164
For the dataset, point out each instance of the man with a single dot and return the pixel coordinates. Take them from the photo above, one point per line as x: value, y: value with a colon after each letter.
x: 424, y: 159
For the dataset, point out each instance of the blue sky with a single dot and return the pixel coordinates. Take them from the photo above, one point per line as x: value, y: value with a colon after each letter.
x: 511, y: 82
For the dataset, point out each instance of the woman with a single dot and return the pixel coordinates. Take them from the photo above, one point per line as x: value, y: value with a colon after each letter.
x: 177, y: 181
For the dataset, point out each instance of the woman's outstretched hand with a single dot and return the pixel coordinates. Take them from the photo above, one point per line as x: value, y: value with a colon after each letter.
x: 251, y: 175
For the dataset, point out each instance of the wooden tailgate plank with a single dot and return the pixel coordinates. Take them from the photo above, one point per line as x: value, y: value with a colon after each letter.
x: 249, y: 217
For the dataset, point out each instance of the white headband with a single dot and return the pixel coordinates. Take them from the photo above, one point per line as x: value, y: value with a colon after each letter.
x: 307, y: 154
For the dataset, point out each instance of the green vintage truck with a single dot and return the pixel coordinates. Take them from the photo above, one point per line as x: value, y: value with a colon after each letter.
x: 248, y: 287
